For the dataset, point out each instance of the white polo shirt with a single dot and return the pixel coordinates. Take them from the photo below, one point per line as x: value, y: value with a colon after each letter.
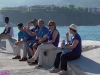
x: 11, y: 31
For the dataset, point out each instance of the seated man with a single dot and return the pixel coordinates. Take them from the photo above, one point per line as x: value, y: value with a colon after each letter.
x: 25, y: 39
x: 34, y: 23
x: 8, y: 31
x: 41, y: 32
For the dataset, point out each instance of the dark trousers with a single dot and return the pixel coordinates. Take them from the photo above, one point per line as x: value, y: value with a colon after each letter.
x: 63, y: 58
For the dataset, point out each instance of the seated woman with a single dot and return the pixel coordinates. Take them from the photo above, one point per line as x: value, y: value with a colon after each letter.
x: 75, y: 46
x: 53, y: 41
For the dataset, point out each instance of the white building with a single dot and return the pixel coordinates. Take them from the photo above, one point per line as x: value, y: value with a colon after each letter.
x: 1, y: 17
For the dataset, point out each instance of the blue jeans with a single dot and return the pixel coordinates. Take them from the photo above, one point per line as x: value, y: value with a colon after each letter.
x: 27, y: 46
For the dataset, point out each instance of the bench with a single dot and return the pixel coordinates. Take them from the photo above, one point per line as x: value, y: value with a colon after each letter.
x: 50, y: 58
x: 89, y: 61
x: 10, y: 45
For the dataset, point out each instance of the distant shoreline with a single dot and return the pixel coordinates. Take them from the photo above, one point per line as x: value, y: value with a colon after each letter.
x: 61, y: 25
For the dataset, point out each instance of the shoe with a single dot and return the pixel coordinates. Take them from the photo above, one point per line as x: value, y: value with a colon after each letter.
x: 63, y: 72
x: 31, y: 60
x: 23, y: 59
x: 16, y: 57
x: 29, y: 57
x: 33, y: 63
x: 53, y: 70
x: 38, y: 66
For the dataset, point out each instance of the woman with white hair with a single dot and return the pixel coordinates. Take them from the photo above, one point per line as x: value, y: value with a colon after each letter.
x: 74, y: 45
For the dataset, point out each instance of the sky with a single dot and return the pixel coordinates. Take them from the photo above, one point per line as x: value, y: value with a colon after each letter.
x: 10, y: 3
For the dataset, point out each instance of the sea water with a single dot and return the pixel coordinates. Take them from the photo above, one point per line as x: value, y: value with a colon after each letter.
x: 86, y: 32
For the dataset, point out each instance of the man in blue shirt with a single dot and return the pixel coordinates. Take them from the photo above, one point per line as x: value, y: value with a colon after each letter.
x: 34, y: 23
x: 23, y: 40
x: 41, y: 32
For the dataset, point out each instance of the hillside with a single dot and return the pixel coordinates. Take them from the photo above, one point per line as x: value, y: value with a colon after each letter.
x: 61, y: 16
x: 82, y: 3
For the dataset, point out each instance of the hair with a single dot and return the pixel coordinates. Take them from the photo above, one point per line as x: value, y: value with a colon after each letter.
x: 35, y: 20
x: 7, y: 18
x: 52, y: 22
x: 20, y: 25
x: 40, y: 20
x: 73, y: 30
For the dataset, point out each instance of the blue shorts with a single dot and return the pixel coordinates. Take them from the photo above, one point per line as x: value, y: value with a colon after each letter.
x: 31, y: 45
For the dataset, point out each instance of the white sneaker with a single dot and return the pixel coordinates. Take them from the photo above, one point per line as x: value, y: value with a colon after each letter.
x: 63, y: 72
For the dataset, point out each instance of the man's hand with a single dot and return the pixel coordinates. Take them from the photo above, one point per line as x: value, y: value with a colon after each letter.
x: 17, y: 43
x: 29, y: 23
x: 25, y: 28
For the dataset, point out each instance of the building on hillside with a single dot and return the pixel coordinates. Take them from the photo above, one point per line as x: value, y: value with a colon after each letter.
x: 47, y: 7
x: 99, y: 10
x: 22, y: 8
x: 8, y: 8
x: 16, y: 8
x: 94, y: 10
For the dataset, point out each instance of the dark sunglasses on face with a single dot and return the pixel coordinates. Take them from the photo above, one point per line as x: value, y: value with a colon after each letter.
x: 51, y: 25
x: 19, y: 27
x: 40, y: 23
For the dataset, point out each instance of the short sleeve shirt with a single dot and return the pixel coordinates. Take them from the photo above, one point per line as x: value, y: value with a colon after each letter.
x: 78, y: 48
x: 11, y: 30
x: 22, y: 35
x: 42, y: 32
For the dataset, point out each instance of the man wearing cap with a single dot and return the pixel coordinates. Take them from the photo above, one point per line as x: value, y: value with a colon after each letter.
x: 74, y: 45
x: 34, y: 23
x: 8, y: 31
x: 23, y: 38
x: 41, y: 32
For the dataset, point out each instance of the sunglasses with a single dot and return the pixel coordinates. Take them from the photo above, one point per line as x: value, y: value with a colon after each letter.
x: 40, y: 23
x: 51, y: 25
x: 19, y: 27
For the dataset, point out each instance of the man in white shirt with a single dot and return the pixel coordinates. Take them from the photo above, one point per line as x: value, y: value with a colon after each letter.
x: 8, y: 31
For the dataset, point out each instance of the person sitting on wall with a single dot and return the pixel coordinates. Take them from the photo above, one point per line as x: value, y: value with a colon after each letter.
x: 8, y: 31
x: 34, y: 23
x: 41, y: 32
x: 23, y: 39
x: 75, y: 47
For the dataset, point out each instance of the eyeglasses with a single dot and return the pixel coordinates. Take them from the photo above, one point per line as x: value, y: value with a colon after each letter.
x: 51, y: 25
x: 19, y: 27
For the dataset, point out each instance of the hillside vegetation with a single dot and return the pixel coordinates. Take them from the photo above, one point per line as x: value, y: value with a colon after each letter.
x: 82, y: 3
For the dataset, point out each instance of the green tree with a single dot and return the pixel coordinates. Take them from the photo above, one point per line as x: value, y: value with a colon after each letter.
x: 71, y: 6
